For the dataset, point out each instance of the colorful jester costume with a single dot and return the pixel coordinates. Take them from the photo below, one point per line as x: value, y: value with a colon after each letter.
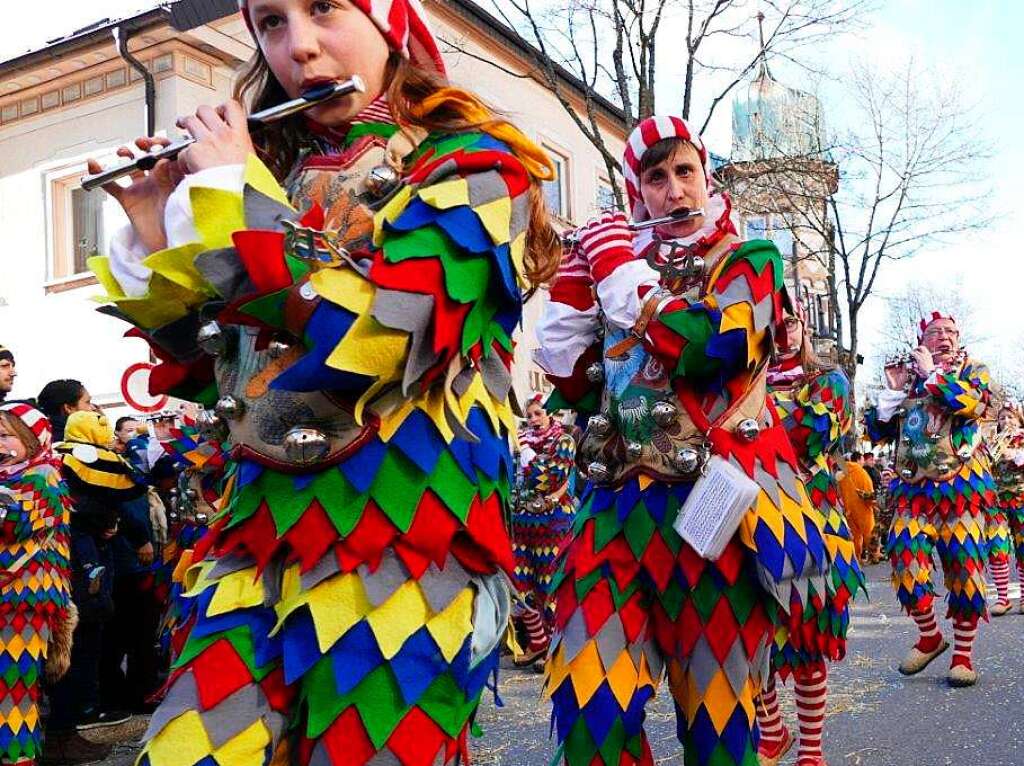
x: 1008, y: 472
x: 940, y: 500
x: 816, y: 411
x: 682, y: 361
x: 347, y: 601
x: 541, y: 527
x: 200, y: 462
x: 34, y: 585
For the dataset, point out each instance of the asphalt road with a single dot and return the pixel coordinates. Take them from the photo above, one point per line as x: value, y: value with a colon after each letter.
x: 876, y: 716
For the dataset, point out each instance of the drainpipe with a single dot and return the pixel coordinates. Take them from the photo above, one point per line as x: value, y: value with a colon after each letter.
x: 121, y: 38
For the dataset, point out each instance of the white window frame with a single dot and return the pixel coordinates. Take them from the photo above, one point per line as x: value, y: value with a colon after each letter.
x: 564, y: 180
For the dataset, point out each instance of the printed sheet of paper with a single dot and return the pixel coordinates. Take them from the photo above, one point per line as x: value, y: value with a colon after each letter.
x: 716, y: 505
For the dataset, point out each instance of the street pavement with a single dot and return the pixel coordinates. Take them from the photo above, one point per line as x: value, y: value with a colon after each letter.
x: 876, y: 716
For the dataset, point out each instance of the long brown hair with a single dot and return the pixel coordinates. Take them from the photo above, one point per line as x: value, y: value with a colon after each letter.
x: 447, y: 110
x: 17, y: 426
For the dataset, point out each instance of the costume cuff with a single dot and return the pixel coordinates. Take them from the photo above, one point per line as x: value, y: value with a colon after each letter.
x: 179, y: 221
x: 888, y: 402
x: 620, y: 293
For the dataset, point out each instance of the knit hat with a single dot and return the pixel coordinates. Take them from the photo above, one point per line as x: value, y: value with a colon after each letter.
x: 402, y: 23
x: 644, y: 136
x: 925, y: 321
x: 39, y: 425
x: 5, y: 353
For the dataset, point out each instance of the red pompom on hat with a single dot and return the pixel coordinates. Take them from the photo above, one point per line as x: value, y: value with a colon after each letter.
x: 925, y: 321
x: 403, y: 24
x: 644, y: 136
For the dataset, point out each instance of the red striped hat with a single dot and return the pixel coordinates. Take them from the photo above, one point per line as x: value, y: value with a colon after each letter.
x: 35, y: 420
x: 925, y: 321
x: 403, y: 24
x: 644, y: 136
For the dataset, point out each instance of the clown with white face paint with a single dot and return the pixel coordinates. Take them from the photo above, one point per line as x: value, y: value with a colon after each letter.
x: 664, y: 337
x: 944, y: 491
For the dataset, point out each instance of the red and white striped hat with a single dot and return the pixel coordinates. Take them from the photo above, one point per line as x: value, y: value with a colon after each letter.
x: 403, y: 24
x: 925, y: 321
x: 644, y: 136
x: 35, y: 420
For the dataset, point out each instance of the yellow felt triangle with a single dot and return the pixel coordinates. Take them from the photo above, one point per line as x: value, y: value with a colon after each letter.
x: 178, y: 265
x: 336, y: 605
x: 182, y: 740
x: 389, y: 213
x: 100, y: 266
x: 496, y: 217
x: 447, y: 194
x: 259, y: 177
x: 217, y: 214
x: 453, y: 624
x: 239, y: 590
x: 246, y: 747
x: 405, y: 612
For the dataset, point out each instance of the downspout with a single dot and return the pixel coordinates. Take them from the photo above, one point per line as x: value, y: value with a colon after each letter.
x: 121, y: 38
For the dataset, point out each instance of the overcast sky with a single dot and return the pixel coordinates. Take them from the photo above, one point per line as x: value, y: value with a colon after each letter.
x: 977, y: 41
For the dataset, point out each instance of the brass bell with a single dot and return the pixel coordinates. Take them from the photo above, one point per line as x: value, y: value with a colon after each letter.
x: 381, y: 181
x: 307, y: 292
x: 173, y: 516
x: 535, y: 504
x: 965, y: 452
x: 191, y: 494
x: 664, y: 413
x: 901, y: 411
x: 698, y: 264
x: 599, y: 425
x: 933, y: 437
x: 201, y: 518
x: 595, y: 372
x: 907, y: 473
x: 278, y: 348
x: 633, y: 451
x: 748, y: 429
x: 210, y: 425
x: 211, y: 339
x: 306, y: 445
x: 229, y: 408
x: 598, y: 472
x: 688, y: 460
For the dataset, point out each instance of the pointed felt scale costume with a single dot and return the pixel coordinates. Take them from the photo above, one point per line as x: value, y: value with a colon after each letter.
x: 816, y: 412
x: 346, y: 604
x: 541, y: 526
x: 681, y: 347
x: 944, y: 487
x: 34, y: 584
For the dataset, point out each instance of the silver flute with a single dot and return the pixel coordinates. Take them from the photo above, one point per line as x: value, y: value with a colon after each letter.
x: 572, y: 238
x: 310, y: 98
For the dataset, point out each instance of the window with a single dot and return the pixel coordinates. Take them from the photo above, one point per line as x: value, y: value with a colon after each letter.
x: 605, y: 195
x: 556, y: 192
x: 756, y: 227
x: 82, y: 224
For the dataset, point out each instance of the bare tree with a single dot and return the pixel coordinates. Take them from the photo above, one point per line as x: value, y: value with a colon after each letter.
x: 613, y: 49
x: 905, y: 177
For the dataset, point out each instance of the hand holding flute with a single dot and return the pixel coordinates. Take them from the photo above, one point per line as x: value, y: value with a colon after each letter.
x: 219, y: 136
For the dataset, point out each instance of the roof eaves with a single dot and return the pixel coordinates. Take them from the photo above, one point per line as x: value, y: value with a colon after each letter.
x: 79, y: 40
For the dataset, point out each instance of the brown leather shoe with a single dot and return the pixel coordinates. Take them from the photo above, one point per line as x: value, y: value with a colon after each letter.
x: 64, y: 748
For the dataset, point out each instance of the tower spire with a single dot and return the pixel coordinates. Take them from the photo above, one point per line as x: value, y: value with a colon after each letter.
x: 763, y: 71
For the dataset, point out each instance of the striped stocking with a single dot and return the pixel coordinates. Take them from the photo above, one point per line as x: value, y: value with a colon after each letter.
x: 1001, y: 576
x: 964, y: 631
x: 769, y: 718
x: 811, y: 696
x: 1020, y: 575
x: 535, y: 630
x: 930, y: 636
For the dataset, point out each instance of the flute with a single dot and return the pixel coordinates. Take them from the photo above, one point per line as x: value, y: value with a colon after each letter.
x: 310, y: 98
x: 572, y: 238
